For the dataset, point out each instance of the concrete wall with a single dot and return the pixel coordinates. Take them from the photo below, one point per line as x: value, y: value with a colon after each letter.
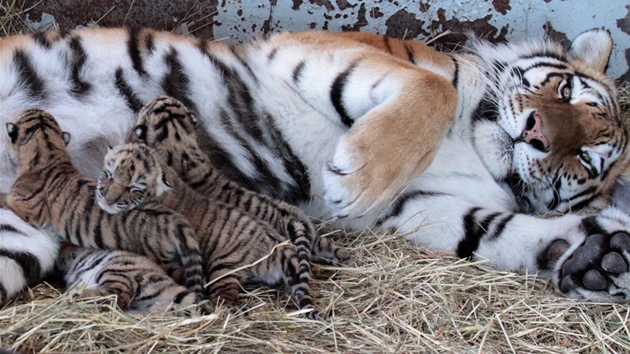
x: 237, y: 21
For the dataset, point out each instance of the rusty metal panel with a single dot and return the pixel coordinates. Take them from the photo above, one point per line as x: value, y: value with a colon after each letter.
x: 240, y: 20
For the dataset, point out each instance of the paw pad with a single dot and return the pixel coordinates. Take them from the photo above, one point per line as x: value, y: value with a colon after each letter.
x: 614, y: 263
x: 620, y: 240
x: 594, y: 280
x: 596, y: 264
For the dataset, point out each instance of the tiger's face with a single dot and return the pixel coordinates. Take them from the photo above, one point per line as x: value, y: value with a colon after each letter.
x: 167, y: 126
x: 554, y: 118
x: 131, y: 176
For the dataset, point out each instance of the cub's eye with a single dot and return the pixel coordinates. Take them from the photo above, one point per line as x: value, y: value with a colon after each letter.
x: 135, y: 190
x: 106, y: 175
x: 140, y: 132
x: 565, y: 91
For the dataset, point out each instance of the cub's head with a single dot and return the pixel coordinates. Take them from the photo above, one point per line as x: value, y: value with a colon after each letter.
x: 550, y: 123
x: 36, y: 138
x: 131, y: 176
x: 167, y: 126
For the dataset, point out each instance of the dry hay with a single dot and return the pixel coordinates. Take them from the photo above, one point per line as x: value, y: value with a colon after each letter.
x: 397, y: 298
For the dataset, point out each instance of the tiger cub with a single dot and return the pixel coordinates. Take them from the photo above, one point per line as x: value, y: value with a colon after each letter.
x: 167, y: 126
x: 50, y: 192
x: 236, y: 247
x: 26, y: 255
x: 138, y: 283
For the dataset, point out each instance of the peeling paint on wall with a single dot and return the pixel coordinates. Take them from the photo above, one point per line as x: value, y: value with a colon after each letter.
x: 239, y: 21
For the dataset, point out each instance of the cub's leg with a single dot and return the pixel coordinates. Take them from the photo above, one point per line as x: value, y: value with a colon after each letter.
x: 397, y: 115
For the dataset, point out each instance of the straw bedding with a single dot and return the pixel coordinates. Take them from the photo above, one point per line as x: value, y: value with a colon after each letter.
x: 396, y: 298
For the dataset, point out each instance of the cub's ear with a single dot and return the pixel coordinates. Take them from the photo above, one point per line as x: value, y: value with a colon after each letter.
x: 12, y: 131
x: 593, y: 47
x: 66, y: 137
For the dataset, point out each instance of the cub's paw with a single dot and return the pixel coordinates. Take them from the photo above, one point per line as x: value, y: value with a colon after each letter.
x: 356, y: 182
x: 598, y: 270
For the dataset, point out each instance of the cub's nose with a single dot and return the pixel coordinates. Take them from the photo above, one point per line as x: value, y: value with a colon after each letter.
x: 534, y: 134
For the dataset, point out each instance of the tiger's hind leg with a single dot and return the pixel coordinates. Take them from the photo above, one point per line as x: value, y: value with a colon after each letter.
x: 396, y: 123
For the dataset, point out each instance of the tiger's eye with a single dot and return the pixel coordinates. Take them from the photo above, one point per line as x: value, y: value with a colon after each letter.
x: 565, y: 92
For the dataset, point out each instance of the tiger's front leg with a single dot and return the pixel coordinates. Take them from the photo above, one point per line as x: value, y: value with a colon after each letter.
x: 401, y: 120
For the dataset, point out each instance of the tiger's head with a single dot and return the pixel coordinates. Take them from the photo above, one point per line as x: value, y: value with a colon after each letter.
x: 167, y: 126
x: 36, y: 139
x: 550, y: 124
x: 131, y: 176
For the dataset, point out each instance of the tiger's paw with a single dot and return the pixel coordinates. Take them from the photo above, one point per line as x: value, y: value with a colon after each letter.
x: 356, y: 182
x: 598, y: 270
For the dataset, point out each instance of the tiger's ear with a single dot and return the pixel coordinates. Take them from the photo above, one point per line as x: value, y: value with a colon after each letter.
x: 162, y: 185
x: 12, y: 131
x: 593, y: 47
x: 66, y: 137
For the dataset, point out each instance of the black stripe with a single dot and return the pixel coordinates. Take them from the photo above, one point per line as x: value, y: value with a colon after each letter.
x: 272, y: 54
x: 31, y: 268
x: 553, y: 204
x: 179, y: 297
x: 591, y: 226
x: 79, y: 87
x: 29, y: 79
x: 10, y: 228
x: 399, y: 204
x: 292, y: 164
x: 266, y: 181
x: 133, y: 102
x: 498, y: 230
x: 472, y: 235
x: 336, y: 95
x: 176, y: 82
x: 456, y: 74
x: 297, y: 71
x: 133, y: 49
x: 547, y: 54
x: 4, y: 295
x: 149, y: 43
x: 41, y: 39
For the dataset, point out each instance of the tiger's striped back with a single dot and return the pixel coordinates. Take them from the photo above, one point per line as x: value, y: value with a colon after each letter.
x: 166, y: 125
x: 236, y: 247
x: 138, y: 283
x: 49, y: 191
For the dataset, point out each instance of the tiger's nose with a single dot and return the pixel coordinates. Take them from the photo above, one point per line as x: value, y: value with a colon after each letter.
x: 533, y: 133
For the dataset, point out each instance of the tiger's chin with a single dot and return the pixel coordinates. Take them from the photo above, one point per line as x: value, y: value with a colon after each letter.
x: 495, y: 147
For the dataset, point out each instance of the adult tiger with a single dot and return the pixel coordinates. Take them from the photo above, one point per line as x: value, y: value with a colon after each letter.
x: 377, y: 131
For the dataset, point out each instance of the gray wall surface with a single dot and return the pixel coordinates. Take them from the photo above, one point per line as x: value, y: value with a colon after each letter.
x: 238, y: 21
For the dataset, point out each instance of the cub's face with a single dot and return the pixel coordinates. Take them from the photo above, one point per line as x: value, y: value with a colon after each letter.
x: 131, y: 176
x: 35, y: 137
x: 552, y: 125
